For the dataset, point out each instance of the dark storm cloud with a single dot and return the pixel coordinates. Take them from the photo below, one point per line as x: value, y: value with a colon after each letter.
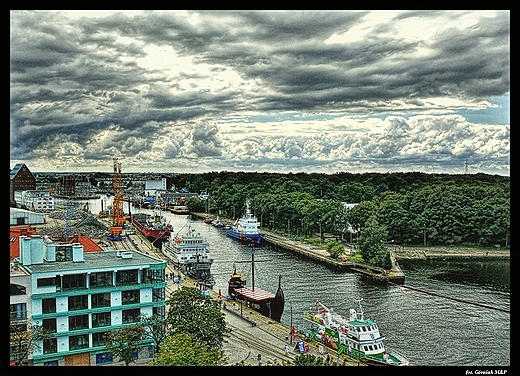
x: 159, y: 85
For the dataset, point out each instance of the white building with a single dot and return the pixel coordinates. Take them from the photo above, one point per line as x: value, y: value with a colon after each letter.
x: 36, y: 200
x: 154, y: 188
x: 25, y: 217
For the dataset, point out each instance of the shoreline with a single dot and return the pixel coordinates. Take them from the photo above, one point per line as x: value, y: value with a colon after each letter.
x: 403, y: 252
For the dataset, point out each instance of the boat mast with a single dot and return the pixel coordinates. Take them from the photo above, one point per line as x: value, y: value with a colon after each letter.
x: 252, y: 244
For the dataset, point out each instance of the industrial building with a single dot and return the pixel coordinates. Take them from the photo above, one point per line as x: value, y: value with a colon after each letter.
x: 21, y: 179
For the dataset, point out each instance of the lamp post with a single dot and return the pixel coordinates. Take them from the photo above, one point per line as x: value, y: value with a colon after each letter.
x: 301, y: 220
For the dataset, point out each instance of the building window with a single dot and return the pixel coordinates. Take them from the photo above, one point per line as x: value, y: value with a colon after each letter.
x: 99, y: 339
x: 17, y: 289
x: 101, y: 279
x: 159, y: 312
x: 104, y: 358
x: 43, y: 282
x: 78, y: 302
x: 130, y: 297
x: 18, y: 311
x: 101, y: 300
x: 101, y: 319
x: 64, y: 253
x: 126, y: 277
x: 78, y: 342
x: 156, y: 276
x: 50, y: 346
x: 146, y: 276
x: 49, y: 305
x: 158, y: 295
x: 78, y: 322
x: 49, y: 324
x: 74, y: 281
x: 131, y: 315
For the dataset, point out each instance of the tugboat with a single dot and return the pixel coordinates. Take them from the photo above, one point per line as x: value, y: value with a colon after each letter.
x: 356, y: 336
x: 264, y: 302
x: 191, y: 255
x: 246, y: 229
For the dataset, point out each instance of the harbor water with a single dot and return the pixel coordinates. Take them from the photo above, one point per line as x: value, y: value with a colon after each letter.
x: 430, y: 330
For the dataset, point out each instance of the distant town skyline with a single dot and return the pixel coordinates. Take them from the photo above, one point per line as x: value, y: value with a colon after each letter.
x: 261, y: 91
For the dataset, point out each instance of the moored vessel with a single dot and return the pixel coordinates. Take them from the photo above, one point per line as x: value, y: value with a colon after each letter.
x: 264, y: 302
x: 154, y: 227
x: 190, y: 253
x: 246, y: 228
x: 354, y: 336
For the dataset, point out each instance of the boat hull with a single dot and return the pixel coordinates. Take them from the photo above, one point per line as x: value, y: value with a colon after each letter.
x: 155, y: 236
x: 269, y: 307
x: 244, y: 238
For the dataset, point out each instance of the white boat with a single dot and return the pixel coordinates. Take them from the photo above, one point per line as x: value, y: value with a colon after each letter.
x: 247, y: 228
x: 216, y: 223
x: 191, y: 255
x: 354, y: 336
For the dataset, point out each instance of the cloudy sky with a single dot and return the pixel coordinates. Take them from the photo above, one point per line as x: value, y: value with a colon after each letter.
x: 278, y: 91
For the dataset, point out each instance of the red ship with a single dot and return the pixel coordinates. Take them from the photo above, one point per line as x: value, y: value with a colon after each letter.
x: 154, y: 227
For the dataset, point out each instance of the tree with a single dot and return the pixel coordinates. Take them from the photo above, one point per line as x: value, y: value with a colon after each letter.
x: 335, y: 248
x: 124, y: 343
x: 156, y: 329
x: 24, y: 339
x: 182, y: 349
x: 372, y: 242
x: 199, y: 315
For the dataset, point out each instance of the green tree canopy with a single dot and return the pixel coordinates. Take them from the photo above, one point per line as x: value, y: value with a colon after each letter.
x: 196, y: 314
x: 182, y: 349
x: 124, y: 343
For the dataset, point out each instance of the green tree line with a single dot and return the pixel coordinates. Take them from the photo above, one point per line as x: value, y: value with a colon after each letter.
x: 415, y: 208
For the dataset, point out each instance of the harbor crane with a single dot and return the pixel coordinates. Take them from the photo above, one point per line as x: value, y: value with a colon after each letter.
x: 118, y: 219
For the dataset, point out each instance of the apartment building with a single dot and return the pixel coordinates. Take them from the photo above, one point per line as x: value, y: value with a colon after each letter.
x: 80, y: 296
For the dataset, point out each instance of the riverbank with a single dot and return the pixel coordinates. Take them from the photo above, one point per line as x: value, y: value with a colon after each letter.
x: 401, y: 252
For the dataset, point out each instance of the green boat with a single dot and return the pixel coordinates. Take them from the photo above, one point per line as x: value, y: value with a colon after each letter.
x: 354, y: 336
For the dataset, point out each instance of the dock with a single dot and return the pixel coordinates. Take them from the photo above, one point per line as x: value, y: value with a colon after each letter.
x: 321, y: 255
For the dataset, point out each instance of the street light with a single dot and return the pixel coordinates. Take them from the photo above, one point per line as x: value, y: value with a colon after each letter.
x: 291, y: 324
x: 301, y: 220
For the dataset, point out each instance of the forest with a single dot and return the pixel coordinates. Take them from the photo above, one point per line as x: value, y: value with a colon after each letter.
x: 411, y: 208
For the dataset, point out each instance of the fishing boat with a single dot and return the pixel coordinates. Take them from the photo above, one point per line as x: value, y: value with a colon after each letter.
x: 354, y: 336
x: 191, y: 255
x: 154, y: 227
x: 264, y: 302
x: 246, y: 228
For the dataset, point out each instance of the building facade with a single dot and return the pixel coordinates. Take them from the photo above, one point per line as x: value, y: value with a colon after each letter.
x: 21, y: 179
x: 81, y: 296
x: 36, y: 200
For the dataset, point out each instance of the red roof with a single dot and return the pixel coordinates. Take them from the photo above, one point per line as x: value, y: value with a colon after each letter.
x: 256, y: 295
x: 16, y: 231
